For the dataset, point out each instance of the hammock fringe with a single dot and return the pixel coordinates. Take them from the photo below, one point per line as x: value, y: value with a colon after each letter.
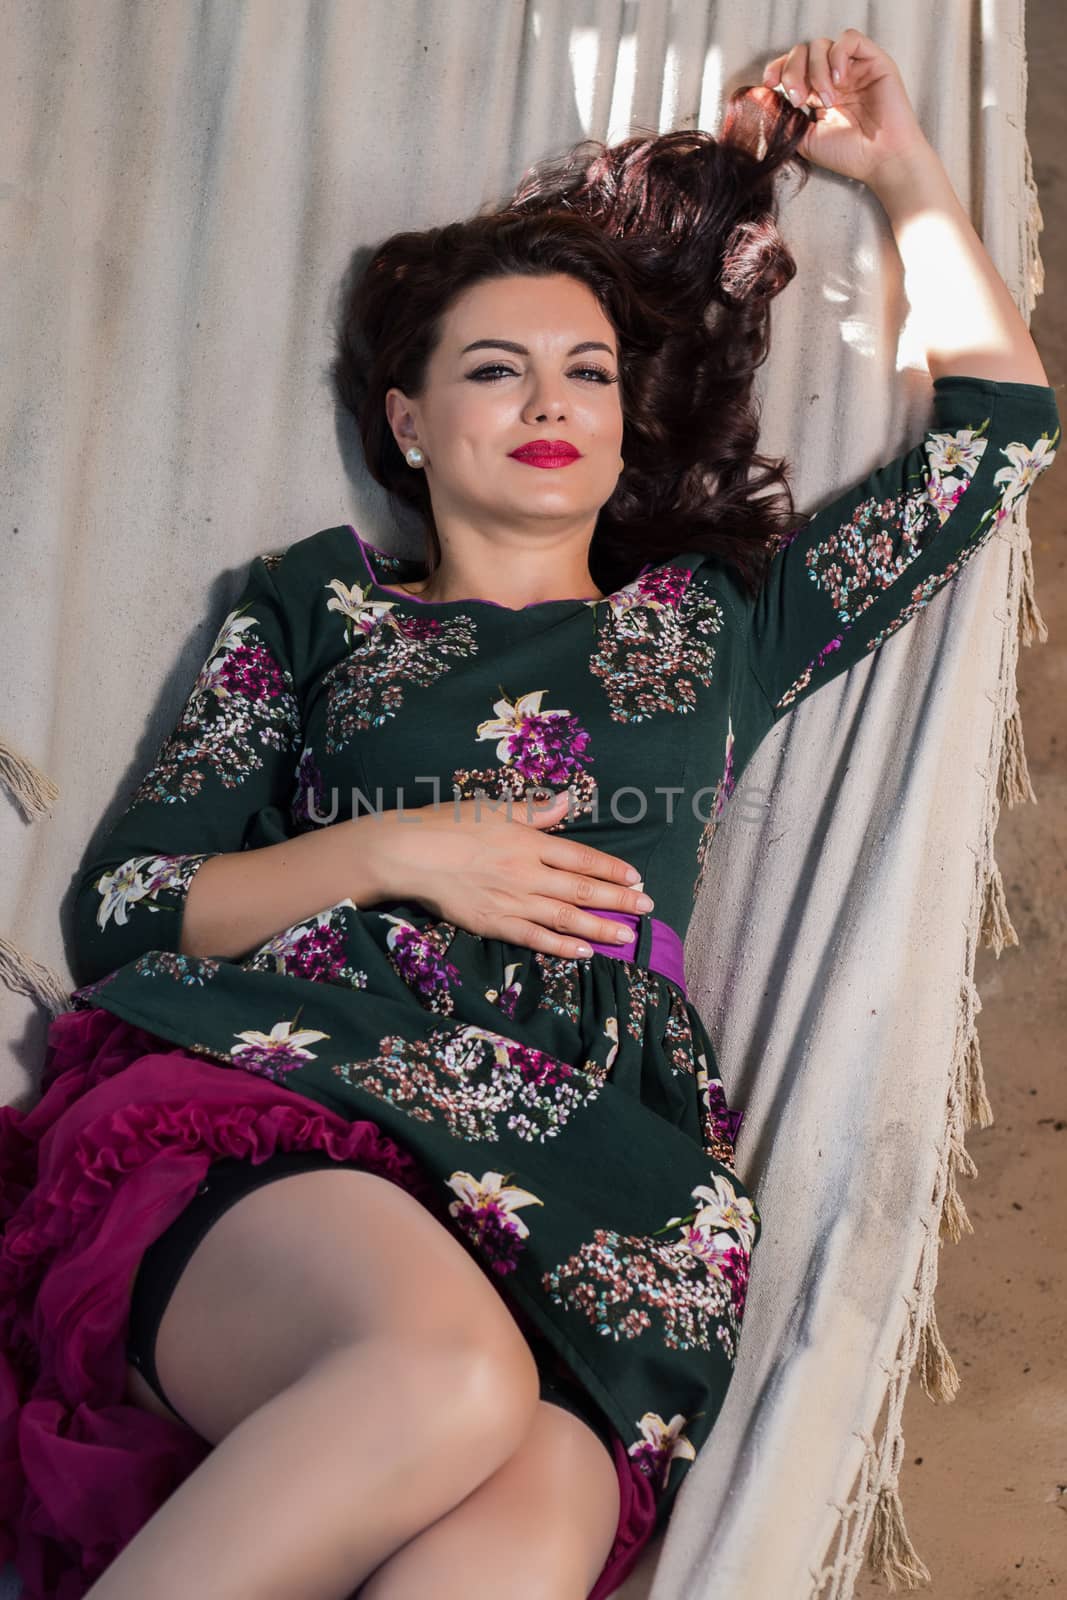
x: 21, y: 973
x: 937, y: 1370
x: 872, y: 1519
x: 997, y: 929
x: 27, y: 784
x: 977, y: 1109
x: 1031, y: 622
x: 1015, y: 782
x: 893, y: 1556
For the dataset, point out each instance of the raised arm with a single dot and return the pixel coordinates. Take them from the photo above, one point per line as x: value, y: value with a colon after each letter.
x: 875, y: 555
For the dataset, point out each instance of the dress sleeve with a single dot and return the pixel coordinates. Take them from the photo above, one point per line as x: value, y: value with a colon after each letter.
x: 223, y: 780
x: 870, y: 560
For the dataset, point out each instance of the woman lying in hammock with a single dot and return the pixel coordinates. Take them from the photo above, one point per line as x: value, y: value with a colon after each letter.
x: 477, y: 1347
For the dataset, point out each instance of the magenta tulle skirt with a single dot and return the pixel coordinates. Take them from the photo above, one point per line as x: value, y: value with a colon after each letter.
x: 125, y: 1128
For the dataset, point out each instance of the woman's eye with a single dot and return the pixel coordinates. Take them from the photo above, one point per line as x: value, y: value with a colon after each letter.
x: 600, y: 374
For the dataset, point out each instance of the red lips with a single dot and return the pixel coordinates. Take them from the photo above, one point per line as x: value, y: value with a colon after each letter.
x: 546, y: 452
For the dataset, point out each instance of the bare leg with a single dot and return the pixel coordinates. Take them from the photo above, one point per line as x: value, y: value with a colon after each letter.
x: 358, y: 1376
x: 540, y: 1528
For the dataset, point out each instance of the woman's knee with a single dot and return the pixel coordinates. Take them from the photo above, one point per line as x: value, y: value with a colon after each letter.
x: 323, y: 1260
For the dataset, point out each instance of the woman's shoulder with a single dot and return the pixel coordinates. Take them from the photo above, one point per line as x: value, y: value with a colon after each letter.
x: 716, y: 576
x: 311, y: 550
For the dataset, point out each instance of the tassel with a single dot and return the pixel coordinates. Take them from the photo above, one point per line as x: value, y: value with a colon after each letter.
x: 954, y: 1219
x: 892, y: 1553
x: 35, y: 793
x: 1031, y: 622
x: 937, y: 1370
x: 1014, y: 782
x: 977, y: 1108
x: 25, y: 976
x: 996, y: 926
x: 960, y: 1158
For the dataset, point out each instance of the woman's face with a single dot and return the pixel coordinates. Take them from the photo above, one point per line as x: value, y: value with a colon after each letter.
x: 479, y: 405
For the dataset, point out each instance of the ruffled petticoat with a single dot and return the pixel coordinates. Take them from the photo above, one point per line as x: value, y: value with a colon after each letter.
x: 126, y: 1127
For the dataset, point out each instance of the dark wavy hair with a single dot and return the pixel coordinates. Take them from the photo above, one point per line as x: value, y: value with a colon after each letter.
x: 676, y: 235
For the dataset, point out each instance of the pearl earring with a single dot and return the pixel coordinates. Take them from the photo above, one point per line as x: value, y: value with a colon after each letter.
x: 414, y: 457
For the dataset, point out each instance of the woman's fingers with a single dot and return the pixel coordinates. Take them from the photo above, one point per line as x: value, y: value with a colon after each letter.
x: 818, y: 69
x: 793, y: 74
x: 582, y: 890
x: 586, y: 861
x: 564, y: 918
x: 534, y: 937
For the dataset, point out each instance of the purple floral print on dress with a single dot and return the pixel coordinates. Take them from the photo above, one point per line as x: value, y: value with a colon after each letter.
x: 313, y: 949
x: 539, y: 750
x: 242, y: 702
x: 861, y: 559
x: 1025, y: 463
x: 470, y: 1079
x: 662, y: 1443
x: 693, y: 1286
x: 544, y: 747
x: 389, y: 653
x: 653, y: 644
x: 156, y: 882
x: 507, y: 997
x: 418, y: 955
x: 274, y: 1054
x: 485, y: 1211
x: 721, y: 1124
x: 309, y: 793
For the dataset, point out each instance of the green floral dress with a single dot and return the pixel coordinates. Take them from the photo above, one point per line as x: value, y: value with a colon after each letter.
x: 570, y: 1111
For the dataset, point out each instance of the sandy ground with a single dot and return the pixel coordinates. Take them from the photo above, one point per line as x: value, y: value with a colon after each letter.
x: 984, y: 1480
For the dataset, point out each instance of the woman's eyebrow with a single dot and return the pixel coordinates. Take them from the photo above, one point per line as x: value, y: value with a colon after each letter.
x: 521, y: 350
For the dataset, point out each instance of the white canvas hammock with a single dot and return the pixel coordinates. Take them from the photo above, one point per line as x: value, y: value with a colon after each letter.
x: 188, y: 185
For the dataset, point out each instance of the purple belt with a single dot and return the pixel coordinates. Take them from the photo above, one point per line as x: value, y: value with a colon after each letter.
x: 665, y: 955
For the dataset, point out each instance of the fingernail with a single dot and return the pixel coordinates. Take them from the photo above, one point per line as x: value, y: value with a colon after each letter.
x: 827, y: 99
x: 585, y: 950
x: 836, y: 75
x: 644, y: 903
x: 632, y: 875
x: 794, y: 95
x: 624, y: 935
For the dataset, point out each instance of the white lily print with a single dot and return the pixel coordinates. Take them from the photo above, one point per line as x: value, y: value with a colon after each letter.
x: 354, y: 606
x: 229, y: 637
x: 281, y: 1041
x: 492, y: 1192
x: 947, y: 451
x: 485, y: 1212
x: 1027, y: 461
x: 724, y: 1209
x: 141, y: 878
x: 664, y: 1441
x: 510, y: 717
